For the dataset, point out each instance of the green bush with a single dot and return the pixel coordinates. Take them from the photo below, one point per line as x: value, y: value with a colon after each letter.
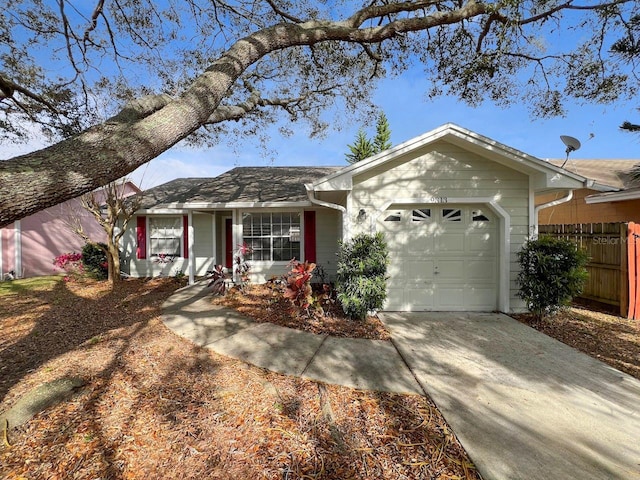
x: 95, y: 260
x: 361, y: 279
x: 552, y: 272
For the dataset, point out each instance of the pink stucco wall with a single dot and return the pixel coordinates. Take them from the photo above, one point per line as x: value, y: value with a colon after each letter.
x: 7, y: 238
x: 45, y: 235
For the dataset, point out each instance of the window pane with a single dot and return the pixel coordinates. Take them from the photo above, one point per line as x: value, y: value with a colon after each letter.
x: 272, y: 236
x: 452, y: 214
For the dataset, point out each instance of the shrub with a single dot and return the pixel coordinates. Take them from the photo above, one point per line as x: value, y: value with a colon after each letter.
x: 362, y: 269
x: 94, y: 259
x: 71, y: 263
x: 298, y: 284
x: 552, y: 272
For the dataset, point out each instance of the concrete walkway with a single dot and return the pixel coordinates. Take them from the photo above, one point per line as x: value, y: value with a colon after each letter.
x: 523, y: 405
x: 356, y: 363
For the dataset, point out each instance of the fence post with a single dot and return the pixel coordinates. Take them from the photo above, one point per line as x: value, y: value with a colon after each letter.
x: 624, y: 270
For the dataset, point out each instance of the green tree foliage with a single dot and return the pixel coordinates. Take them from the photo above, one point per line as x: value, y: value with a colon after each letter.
x: 382, y: 140
x: 362, y: 270
x: 362, y: 148
x: 118, y: 83
x: 94, y: 258
x: 552, y: 273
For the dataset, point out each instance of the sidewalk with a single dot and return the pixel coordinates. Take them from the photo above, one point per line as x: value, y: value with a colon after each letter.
x: 356, y: 363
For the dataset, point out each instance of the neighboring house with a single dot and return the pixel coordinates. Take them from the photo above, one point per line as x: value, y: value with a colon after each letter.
x: 28, y: 246
x: 455, y: 206
x: 613, y: 197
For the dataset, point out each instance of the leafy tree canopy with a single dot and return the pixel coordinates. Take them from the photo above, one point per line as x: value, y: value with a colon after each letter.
x: 117, y: 82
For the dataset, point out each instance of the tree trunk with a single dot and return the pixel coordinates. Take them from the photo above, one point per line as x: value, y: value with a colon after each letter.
x: 109, y: 151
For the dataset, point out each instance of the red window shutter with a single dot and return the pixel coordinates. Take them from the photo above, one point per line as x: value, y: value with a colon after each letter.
x: 141, y: 236
x: 310, y: 236
x: 185, y: 235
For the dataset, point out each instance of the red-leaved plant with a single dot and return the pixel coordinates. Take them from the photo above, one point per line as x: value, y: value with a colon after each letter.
x: 298, y: 284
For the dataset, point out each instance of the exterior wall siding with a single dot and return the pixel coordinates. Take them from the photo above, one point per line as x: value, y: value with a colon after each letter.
x: 151, y: 267
x: 578, y: 211
x: 444, y: 170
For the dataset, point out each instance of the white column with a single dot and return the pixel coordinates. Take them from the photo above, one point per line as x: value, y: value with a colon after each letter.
x: 192, y: 260
x: 18, y: 239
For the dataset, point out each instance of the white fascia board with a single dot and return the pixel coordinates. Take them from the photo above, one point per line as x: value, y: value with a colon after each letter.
x: 184, y: 208
x: 491, y: 149
x: 613, y: 196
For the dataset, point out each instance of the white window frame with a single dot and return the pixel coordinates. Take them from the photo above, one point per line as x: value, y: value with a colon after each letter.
x: 299, y: 233
x: 178, y: 219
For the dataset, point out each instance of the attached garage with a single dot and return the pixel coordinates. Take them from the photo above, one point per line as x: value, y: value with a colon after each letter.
x: 443, y: 257
x: 455, y: 207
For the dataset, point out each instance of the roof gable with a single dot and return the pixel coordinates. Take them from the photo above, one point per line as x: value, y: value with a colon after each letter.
x: 546, y: 175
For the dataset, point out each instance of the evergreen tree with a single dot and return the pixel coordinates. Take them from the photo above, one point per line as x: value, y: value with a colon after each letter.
x: 362, y: 148
x: 382, y: 140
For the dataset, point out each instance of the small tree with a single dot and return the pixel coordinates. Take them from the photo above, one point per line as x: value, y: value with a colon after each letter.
x: 552, y: 272
x: 363, y: 147
x: 382, y: 140
x: 110, y: 206
x: 362, y: 269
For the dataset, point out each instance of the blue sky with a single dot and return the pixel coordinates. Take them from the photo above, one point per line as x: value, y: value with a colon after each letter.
x: 410, y: 114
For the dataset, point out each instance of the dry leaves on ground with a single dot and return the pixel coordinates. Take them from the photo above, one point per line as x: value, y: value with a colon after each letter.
x: 156, y: 406
x: 264, y: 304
x: 612, y: 339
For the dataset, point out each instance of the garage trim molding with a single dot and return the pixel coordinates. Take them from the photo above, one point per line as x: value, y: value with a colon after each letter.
x: 505, y: 238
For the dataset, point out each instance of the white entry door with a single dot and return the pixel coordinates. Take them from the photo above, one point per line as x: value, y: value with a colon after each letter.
x: 443, y: 258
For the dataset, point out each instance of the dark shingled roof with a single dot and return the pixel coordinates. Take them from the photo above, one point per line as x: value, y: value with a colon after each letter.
x: 242, y: 184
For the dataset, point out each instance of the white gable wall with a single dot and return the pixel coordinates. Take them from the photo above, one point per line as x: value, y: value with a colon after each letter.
x: 444, y: 171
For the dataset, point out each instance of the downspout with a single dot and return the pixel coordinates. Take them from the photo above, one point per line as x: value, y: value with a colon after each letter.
x: 553, y: 203
x: 322, y: 203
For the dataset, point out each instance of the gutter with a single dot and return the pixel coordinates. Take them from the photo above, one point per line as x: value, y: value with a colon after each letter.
x: 322, y: 203
x: 335, y: 206
x: 553, y: 203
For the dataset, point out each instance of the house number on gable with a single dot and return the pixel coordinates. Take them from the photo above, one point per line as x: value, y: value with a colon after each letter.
x: 438, y: 200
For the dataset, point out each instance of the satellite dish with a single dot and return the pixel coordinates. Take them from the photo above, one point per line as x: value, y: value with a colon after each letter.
x: 572, y: 144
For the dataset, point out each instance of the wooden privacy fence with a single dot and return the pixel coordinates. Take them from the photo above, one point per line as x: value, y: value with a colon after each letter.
x: 614, y: 252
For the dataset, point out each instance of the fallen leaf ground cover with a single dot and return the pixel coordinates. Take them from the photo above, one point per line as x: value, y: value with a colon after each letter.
x: 609, y: 338
x: 153, y: 405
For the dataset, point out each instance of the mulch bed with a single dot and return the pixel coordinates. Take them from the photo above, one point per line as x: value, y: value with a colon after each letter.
x: 266, y: 304
x: 157, y: 406
x: 612, y: 339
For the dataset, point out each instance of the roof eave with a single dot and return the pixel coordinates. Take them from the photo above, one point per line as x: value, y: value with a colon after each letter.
x: 190, y: 206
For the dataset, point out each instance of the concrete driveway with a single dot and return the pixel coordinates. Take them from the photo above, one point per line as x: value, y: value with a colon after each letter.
x: 524, y: 405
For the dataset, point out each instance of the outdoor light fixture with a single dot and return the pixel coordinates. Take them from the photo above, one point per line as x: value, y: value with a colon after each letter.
x: 362, y: 215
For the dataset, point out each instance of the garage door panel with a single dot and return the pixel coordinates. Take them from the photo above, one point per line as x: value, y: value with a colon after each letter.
x: 450, y: 269
x: 451, y: 297
x: 481, y: 243
x: 419, y: 271
x: 477, y: 298
x: 481, y: 269
x: 452, y: 243
x: 420, y: 298
x: 441, y: 264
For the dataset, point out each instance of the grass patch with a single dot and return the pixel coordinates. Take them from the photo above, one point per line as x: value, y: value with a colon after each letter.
x: 24, y: 285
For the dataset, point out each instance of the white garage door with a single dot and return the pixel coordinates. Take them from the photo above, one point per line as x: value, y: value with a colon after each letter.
x: 443, y: 258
